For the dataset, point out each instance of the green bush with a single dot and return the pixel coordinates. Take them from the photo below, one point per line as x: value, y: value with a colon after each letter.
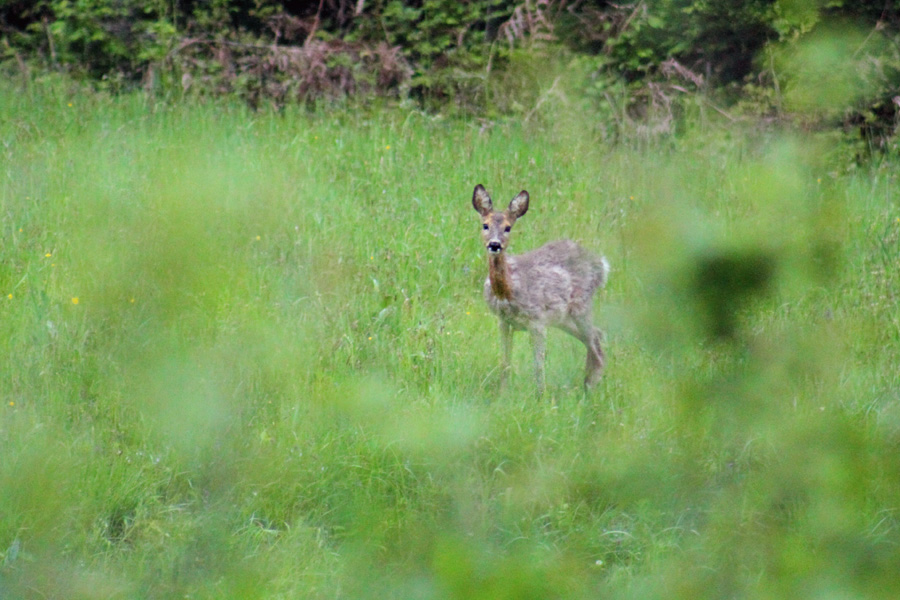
x: 98, y: 37
x: 717, y: 38
x: 645, y: 65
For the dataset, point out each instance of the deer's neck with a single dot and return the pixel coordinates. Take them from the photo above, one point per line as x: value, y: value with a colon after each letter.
x: 498, y: 272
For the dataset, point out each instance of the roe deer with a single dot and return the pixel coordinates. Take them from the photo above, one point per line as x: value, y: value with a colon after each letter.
x: 551, y: 286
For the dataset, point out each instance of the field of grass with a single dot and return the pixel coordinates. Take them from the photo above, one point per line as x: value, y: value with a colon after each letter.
x: 246, y: 356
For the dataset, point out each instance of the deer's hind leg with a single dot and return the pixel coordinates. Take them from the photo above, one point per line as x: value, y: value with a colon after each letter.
x: 595, y: 357
x: 582, y: 327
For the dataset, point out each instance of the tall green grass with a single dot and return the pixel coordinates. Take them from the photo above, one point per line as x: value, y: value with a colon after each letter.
x: 247, y: 356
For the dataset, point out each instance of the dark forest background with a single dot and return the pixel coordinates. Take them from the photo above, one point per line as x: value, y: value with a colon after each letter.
x: 639, y: 61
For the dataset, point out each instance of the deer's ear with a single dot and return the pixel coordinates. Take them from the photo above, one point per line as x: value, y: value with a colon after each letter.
x: 481, y: 201
x: 519, y: 205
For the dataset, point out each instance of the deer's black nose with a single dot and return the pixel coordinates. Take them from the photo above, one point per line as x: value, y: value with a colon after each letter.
x: 494, y: 246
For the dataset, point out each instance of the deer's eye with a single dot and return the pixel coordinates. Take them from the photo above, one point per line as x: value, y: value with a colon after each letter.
x: 485, y: 226
x: 506, y: 229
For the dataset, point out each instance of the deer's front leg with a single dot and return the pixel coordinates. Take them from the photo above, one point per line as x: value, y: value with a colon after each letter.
x: 539, y: 344
x: 506, y: 343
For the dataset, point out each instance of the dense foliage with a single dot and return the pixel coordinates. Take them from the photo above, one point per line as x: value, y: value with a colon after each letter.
x: 473, y: 56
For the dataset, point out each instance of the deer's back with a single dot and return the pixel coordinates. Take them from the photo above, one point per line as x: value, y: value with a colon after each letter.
x: 549, y: 283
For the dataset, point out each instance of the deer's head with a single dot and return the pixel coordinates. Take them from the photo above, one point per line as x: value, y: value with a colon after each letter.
x: 496, y: 225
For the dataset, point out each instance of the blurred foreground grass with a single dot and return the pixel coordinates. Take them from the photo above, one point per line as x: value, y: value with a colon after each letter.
x: 247, y: 356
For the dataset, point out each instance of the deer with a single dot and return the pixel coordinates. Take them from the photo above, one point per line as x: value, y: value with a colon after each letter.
x: 552, y: 286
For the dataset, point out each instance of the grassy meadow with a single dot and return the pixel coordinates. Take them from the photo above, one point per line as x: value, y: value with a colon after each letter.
x: 246, y: 355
